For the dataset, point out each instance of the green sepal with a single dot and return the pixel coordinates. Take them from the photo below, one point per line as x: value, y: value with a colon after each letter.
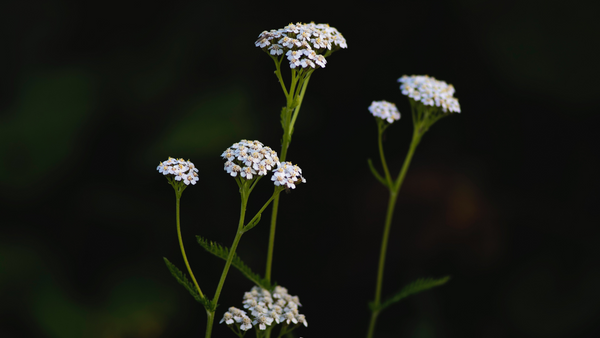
x: 252, y: 223
x: 415, y: 287
x: 376, y: 174
x: 182, y: 279
x: 223, y: 252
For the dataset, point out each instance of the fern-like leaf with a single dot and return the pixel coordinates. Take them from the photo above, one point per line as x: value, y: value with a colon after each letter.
x: 415, y: 287
x: 182, y: 279
x: 223, y: 252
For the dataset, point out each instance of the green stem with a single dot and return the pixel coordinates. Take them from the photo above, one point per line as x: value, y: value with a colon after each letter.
x: 388, y: 177
x: 272, y: 238
x: 187, y: 264
x: 300, y: 98
x: 278, y: 73
x: 293, y: 85
x: 240, y: 231
x: 210, y: 319
x: 382, y: 254
x: 236, y: 241
x: 254, y: 184
x: 268, y: 331
x: 271, y: 247
x: 287, y: 138
x: 259, y: 213
x: 294, y: 96
x: 388, y: 222
x: 413, y: 146
x: 284, y: 145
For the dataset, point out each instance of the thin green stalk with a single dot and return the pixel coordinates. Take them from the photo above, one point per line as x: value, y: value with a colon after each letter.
x: 300, y: 98
x: 211, y: 314
x: 259, y: 213
x: 394, y: 190
x: 291, y: 93
x: 210, y: 319
x: 411, y: 151
x: 284, y: 145
x: 274, y: 219
x: 382, y: 254
x: 236, y: 241
x: 254, y: 185
x: 293, y: 97
x: 286, y: 140
x: 268, y: 331
x: 278, y: 74
x: 272, y: 238
x: 388, y: 177
x: 187, y: 264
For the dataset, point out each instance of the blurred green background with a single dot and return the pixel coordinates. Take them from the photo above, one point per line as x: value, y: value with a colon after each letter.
x: 94, y: 94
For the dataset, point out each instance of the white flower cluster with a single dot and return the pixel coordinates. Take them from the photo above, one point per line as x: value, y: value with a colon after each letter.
x: 181, y: 169
x: 430, y: 92
x: 302, y: 44
x: 287, y: 174
x: 265, y: 308
x: 385, y: 110
x: 249, y: 158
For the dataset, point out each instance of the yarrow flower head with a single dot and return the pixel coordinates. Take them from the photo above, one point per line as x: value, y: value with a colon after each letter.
x: 305, y: 45
x: 385, y: 110
x: 430, y: 92
x: 287, y: 175
x: 179, y: 170
x: 263, y: 308
x: 249, y: 159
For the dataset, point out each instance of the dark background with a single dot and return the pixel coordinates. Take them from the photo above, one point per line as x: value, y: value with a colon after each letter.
x: 501, y: 197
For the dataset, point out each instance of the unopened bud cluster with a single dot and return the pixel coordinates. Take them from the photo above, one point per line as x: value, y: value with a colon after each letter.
x: 430, y: 92
x: 385, y: 110
x: 179, y: 170
x: 264, y: 308
x: 304, y: 45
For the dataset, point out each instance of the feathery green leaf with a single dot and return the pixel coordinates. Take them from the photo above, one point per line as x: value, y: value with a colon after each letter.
x: 415, y: 287
x: 182, y: 279
x: 223, y: 252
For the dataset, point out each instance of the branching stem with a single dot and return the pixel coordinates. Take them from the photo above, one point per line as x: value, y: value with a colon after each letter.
x: 294, y: 98
x: 394, y: 189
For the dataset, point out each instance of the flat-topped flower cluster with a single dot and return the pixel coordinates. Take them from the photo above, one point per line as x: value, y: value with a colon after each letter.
x: 264, y: 308
x: 303, y: 44
x: 251, y: 158
x: 287, y: 174
x: 385, y: 110
x: 179, y: 170
x: 430, y: 92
